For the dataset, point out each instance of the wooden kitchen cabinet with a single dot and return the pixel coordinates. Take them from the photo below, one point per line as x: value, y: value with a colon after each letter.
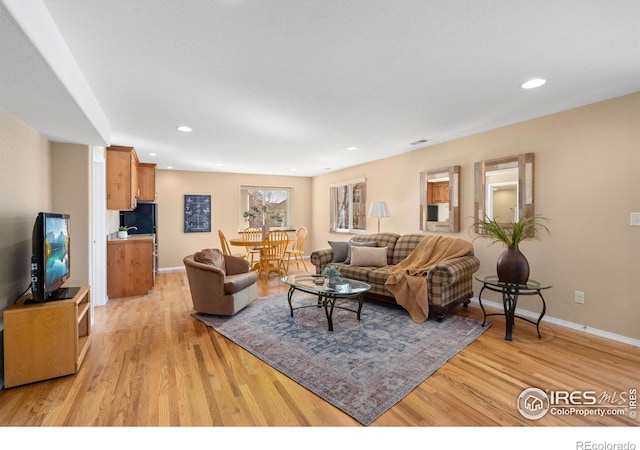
x: 147, y: 182
x: 130, y: 266
x: 46, y: 340
x: 122, y: 178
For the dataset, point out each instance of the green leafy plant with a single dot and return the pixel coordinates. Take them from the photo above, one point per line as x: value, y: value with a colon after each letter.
x: 122, y: 229
x: 260, y: 212
x: 277, y: 217
x: 254, y: 212
x: 512, y: 233
x: 331, y: 272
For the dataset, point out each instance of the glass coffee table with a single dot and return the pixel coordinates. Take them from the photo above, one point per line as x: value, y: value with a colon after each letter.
x: 327, y: 294
x: 510, y: 293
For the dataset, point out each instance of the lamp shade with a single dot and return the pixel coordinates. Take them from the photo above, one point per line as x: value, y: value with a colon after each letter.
x: 378, y: 209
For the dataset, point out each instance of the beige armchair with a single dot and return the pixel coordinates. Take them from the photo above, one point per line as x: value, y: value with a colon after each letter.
x: 220, y: 284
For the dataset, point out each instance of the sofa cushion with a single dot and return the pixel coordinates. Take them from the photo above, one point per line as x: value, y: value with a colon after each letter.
x: 354, y: 272
x: 213, y: 257
x: 369, y: 256
x: 378, y: 275
x: 235, y: 283
x: 404, y: 246
x: 340, y: 250
x: 353, y: 243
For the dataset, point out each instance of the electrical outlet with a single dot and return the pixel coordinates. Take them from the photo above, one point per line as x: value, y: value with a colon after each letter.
x: 635, y: 220
x: 579, y: 297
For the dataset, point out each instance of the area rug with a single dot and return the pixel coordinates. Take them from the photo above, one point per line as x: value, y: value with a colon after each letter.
x: 362, y: 367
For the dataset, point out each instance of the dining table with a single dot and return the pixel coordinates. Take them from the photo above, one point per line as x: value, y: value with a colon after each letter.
x: 258, y: 244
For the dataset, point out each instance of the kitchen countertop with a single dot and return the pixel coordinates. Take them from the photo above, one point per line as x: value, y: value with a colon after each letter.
x: 132, y: 237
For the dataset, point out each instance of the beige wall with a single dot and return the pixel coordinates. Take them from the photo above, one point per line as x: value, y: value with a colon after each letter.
x: 25, y: 190
x: 174, y: 244
x: 36, y: 175
x: 587, y: 181
x: 71, y: 188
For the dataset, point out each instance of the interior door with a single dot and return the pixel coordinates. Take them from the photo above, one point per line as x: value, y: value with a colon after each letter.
x: 98, y: 270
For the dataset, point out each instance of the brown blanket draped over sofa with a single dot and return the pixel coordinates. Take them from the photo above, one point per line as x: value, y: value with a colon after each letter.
x: 407, y: 280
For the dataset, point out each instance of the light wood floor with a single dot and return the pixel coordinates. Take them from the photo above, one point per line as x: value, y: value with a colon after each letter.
x: 151, y: 364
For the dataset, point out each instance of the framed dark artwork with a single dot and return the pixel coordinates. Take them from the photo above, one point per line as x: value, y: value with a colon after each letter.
x: 197, y: 213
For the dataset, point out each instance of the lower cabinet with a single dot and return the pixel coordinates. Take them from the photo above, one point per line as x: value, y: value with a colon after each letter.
x: 45, y: 340
x: 130, y: 266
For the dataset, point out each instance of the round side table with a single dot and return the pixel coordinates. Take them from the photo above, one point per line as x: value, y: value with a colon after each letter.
x: 510, y: 293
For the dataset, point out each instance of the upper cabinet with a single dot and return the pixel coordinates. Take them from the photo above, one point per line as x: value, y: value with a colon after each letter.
x: 122, y: 178
x: 147, y: 182
x: 128, y: 180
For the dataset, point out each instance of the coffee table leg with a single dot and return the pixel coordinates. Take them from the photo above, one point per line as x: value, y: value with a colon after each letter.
x: 328, y: 309
x: 360, y: 302
x: 289, y: 295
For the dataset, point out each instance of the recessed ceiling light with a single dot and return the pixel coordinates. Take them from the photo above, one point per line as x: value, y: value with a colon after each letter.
x: 352, y: 148
x: 169, y: 167
x: 184, y: 129
x: 534, y: 83
x: 152, y: 154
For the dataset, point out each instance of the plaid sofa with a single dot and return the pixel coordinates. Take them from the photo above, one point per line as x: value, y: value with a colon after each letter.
x: 450, y: 282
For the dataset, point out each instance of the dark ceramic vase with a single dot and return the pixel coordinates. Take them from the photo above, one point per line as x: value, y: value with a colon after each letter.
x: 512, y: 266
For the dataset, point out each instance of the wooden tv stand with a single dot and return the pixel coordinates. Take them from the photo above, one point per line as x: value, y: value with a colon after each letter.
x: 46, y: 340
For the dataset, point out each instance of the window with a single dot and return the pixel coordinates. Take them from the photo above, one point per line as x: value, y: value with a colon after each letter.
x: 265, y: 206
x: 348, y: 206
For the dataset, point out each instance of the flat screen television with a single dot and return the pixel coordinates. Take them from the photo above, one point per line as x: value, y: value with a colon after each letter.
x: 51, y: 258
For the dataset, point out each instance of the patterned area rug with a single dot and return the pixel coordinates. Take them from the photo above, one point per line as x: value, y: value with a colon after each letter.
x: 362, y: 367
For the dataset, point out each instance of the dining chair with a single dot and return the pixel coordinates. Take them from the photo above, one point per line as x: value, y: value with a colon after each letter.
x: 273, y: 252
x: 296, y: 252
x: 252, y: 234
x: 224, y: 245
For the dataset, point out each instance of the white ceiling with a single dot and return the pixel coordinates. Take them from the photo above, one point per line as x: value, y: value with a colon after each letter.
x: 270, y: 86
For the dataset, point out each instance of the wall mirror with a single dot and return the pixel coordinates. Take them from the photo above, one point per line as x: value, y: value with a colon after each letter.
x: 504, y: 188
x: 440, y: 200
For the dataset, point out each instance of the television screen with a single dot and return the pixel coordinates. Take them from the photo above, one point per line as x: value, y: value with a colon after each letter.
x: 51, y: 259
x: 56, y: 251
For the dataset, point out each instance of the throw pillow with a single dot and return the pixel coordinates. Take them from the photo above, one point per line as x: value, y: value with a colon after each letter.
x: 369, y: 256
x: 358, y: 244
x: 210, y: 256
x: 340, y: 250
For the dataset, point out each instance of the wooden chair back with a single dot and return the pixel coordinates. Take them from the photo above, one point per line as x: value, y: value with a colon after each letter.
x: 301, y: 239
x: 273, y: 253
x: 252, y: 234
x: 224, y: 244
x: 296, y: 253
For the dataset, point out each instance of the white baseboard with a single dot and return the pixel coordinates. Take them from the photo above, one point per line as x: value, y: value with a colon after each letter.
x: 170, y: 269
x: 566, y: 324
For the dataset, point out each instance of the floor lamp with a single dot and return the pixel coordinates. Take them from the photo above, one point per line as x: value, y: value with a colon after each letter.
x: 377, y: 210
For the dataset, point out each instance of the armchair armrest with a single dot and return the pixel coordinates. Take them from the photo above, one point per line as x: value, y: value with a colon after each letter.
x: 450, y: 271
x: 320, y: 258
